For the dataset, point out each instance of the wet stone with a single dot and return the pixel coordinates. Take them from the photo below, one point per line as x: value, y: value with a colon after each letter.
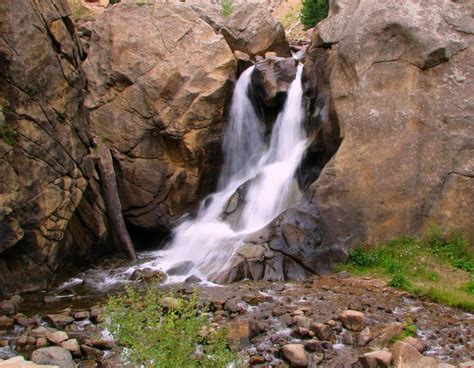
x: 53, y: 356
x: 365, y: 336
x: 376, y: 359
x: 59, y: 320
x: 56, y: 337
x: 79, y: 316
x: 352, y: 320
x: 295, y: 354
x: 6, y: 323
x: 322, y: 331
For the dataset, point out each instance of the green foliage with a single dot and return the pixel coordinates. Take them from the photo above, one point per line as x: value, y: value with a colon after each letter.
x: 227, y: 7
x: 114, y: 1
x: 468, y: 287
x: 454, y: 248
x: 400, y: 281
x: 313, y: 11
x: 425, y: 267
x: 155, y: 332
x: 409, y: 330
x: 8, y: 134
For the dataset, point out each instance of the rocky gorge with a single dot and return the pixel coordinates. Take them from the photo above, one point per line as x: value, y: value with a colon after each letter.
x: 388, y: 117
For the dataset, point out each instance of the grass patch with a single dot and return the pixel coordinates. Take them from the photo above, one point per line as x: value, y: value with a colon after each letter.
x: 409, y: 330
x: 156, y: 330
x: 438, y: 267
x: 227, y: 6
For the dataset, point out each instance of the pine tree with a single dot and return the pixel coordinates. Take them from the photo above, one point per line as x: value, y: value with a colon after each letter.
x: 313, y: 11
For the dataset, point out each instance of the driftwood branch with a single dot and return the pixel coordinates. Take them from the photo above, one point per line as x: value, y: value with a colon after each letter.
x: 114, y: 208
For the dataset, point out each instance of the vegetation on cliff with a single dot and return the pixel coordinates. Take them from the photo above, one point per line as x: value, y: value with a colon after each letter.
x: 313, y: 11
x: 439, y: 267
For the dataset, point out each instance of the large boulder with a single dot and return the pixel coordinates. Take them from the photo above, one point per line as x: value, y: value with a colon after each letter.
x: 292, y: 247
x: 51, y: 209
x: 249, y: 28
x: 401, y: 94
x: 160, y: 79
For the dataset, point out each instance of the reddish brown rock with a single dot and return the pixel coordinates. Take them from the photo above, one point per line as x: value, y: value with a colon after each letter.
x: 352, y: 320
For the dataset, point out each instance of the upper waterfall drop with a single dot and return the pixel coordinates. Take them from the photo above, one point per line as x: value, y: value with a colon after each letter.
x: 256, y: 184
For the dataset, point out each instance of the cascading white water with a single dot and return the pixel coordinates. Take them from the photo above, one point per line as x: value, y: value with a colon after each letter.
x: 266, y: 171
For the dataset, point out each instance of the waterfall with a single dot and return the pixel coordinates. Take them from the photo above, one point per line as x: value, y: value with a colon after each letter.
x: 256, y: 184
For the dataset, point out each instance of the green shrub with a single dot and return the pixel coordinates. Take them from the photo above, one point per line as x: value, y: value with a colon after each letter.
x: 469, y: 287
x: 313, y: 11
x: 409, y: 330
x: 227, y: 7
x: 8, y: 134
x: 165, y: 333
x: 400, y: 281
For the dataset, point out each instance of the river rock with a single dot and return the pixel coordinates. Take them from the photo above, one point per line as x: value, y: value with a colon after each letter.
x: 383, y: 337
x: 51, y: 208
x: 181, y: 268
x: 72, y: 345
x: 7, y: 307
x: 376, y: 359
x: 238, y: 333
x: 56, y: 337
x: 23, y: 320
x: 406, y: 356
x: 365, y: 336
x: 323, y: 331
x: 20, y: 362
x: 400, y: 99
x: 6, y: 322
x: 416, y: 343
x: 148, y: 275
x: 53, y: 356
x: 352, y: 320
x: 59, y: 320
x: 295, y: 354
x: 157, y: 97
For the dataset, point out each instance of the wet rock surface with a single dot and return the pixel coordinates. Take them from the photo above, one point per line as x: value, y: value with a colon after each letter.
x: 301, y: 324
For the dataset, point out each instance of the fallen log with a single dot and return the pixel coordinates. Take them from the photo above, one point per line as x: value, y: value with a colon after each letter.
x: 112, y: 200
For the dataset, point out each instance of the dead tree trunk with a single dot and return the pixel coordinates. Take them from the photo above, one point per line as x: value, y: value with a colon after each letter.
x: 114, y: 208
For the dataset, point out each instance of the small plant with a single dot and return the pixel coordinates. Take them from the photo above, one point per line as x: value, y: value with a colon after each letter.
x: 227, y: 7
x: 409, y: 330
x: 165, y: 332
x: 313, y: 11
x: 8, y: 134
x: 114, y: 2
x: 469, y: 287
x: 400, y: 281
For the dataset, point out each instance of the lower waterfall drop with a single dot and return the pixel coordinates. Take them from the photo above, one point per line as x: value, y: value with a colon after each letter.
x: 256, y: 184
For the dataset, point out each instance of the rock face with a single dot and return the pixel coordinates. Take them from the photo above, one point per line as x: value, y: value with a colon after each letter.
x: 51, y: 210
x: 157, y: 97
x: 401, y: 95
